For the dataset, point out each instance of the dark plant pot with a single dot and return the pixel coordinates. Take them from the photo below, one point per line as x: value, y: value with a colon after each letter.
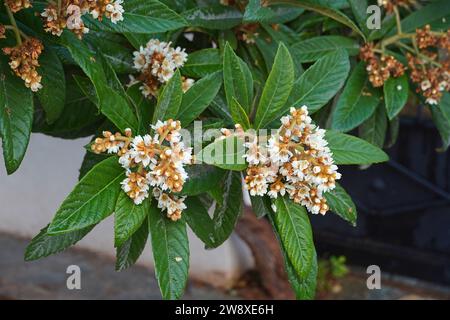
x: 403, y: 209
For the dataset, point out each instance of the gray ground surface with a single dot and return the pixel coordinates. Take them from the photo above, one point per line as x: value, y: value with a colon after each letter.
x: 46, y: 278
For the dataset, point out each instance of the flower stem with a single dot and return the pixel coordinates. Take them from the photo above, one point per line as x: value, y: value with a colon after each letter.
x: 14, y: 25
x: 397, y: 20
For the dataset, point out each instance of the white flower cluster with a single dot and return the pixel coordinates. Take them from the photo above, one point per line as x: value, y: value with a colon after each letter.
x: 152, y: 161
x: 157, y: 62
x: 296, y: 160
x: 70, y: 13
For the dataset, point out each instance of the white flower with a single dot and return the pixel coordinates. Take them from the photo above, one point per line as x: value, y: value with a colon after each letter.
x: 142, y: 149
x: 115, y: 10
x: 74, y: 18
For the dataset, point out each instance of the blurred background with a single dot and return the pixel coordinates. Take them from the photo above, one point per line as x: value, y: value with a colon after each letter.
x: 403, y: 227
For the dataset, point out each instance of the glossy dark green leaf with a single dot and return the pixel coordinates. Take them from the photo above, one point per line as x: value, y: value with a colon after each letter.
x: 202, y: 62
x: 199, y: 221
x: 53, y: 92
x: 128, y: 217
x: 238, y: 81
x: 44, y: 245
x: 239, y: 115
x: 341, y: 203
x: 373, y: 129
x: 213, y: 17
x: 170, y: 246
x: 395, y: 95
x: 357, y: 102
x: 277, y: 88
x: 317, y: 85
x: 349, y: 149
x: 312, y: 49
x: 169, y: 100
x: 202, y: 178
x: 149, y: 16
x: 323, y: 9
x: 129, y: 252
x: 92, y: 200
x: 255, y: 12
x: 199, y: 97
x: 16, y: 116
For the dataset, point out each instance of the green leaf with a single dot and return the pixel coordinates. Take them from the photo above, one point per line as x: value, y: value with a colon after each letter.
x: 227, y: 213
x: 169, y: 100
x: 341, y: 203
x: 304, y: 287
x: 357, y: 102
x: 202, y: 62
x: 92, y: 200
x: 128, y: 253
x: 225, y: 153
x: 149, y: 16
x: 238, y: 81
x: 325, y: 10
x: 426, y: 15
x: 213, y: 17
x: 52, y: 95
x: 202, y: 178
x: 255, y: 12
x: 441, y: 118
x: 260, y: 205
x: 199, y: 97
x: 44, y: 245
x: 317, y: 85
x: 277, y: 88
x: 395, y: 95
x: 128, y: 217
x: 199, y: 221
x: 373, y: 130
x: 348, y: 149
x: 293, y: 225
x: 170, y: 246
x: 16, y: 116
x: 111, y: 100
x: 359, y: 9
x: 239, y: 115
x: 312, y: 49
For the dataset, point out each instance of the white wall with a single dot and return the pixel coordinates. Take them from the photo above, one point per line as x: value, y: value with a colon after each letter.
x: 30, y: 197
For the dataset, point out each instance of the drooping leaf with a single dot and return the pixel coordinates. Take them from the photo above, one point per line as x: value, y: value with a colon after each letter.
x: 348, y: 149
x: 199, y: 97
x: 202, y: 62
x: 317, y: 85
x: 226, y: 214
x: 357, y: 102
x: 16, y: 116
x: 129, y: 252
x: 169, y: 100
x: 373, y: 129
x: 277, y: 88
x: 44, y: 245
x: 128, y: 217
x: 238, y: 81
x: 92, y: 199
x: 170, y: 252
x: 292, y: 223
x: 441, y: 118
x: 395, y: 94
x: 199, y: 221
x: 312, y: 49
x: 53, y: 92
x: 341, y: 203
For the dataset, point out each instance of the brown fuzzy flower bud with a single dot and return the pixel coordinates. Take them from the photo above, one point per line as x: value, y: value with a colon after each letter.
x: 17, y: 5
x: 2, y: 31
